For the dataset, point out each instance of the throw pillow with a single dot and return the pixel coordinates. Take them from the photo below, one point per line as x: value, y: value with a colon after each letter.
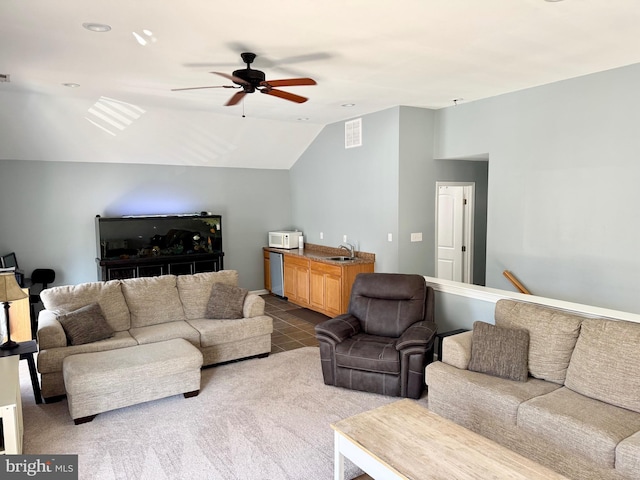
x: 501, y: 352
x: 225, y: 301
x: 85, y: 325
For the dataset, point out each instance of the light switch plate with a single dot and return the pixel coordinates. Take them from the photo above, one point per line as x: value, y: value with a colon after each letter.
x: 416, y: 237
x: 390, y: 237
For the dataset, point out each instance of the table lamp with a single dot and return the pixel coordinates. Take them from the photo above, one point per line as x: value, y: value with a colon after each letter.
x: 9, y: 292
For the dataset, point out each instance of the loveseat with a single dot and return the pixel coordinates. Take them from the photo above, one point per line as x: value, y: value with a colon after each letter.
x: 208, y: 309
x: 576, y: 409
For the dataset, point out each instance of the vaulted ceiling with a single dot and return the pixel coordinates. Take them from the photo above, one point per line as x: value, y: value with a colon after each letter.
x: 372, y: 54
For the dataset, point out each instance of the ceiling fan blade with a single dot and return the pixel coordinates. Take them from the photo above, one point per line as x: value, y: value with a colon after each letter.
x: 309, y: 57
x: 291, y: 82
x: 233, y: 78
x: 197, y: 88
x: 236, y: 98
x: 286, y: 95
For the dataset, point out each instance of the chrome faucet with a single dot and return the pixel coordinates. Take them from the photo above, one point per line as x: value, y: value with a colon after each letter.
x: 349, y: 248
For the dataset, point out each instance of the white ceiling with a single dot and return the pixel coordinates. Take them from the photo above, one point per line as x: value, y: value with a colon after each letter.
x: 375, y: 54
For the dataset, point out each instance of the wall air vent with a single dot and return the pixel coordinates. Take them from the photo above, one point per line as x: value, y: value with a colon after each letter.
x: 4, y: 77
x: 353, y: 133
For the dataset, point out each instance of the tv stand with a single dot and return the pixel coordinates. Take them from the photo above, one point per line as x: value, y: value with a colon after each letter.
x: 119, y: 269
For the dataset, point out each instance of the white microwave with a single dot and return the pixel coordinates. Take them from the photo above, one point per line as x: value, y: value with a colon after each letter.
x: 284, y: 239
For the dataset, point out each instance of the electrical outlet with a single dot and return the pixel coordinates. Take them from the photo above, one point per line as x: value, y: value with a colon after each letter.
x: 416, y: 237
x: 321, y: 235
x: 389, y: 237
x: 344, y: 238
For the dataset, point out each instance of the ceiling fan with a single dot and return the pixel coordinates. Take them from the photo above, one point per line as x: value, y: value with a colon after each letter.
x: 251, y: 80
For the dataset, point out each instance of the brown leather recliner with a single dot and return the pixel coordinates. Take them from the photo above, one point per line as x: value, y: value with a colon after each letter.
x: 386, y: 339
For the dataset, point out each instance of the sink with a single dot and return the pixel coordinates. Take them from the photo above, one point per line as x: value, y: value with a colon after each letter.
x: 340, y: 259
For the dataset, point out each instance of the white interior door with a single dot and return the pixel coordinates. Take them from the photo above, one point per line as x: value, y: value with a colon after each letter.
x: 454, y: 231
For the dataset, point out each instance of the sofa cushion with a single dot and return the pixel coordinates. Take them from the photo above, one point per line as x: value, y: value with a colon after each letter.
x: 217, y: 332
x: 552, y: 336
x: 225, y: 301
x: 67, y: 298
x: 479, y: 397
x: 166, y: 331
x: 194, y: 290
x: 498, y: 351
x: 153, y: 300
x: 85, y: 325
x: 605, y: 363
x: 628, y: 456
x: 580, y: 424
x: 50, y: 359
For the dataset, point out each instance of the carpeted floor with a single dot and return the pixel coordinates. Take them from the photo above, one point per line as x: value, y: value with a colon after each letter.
x: 260, y: 419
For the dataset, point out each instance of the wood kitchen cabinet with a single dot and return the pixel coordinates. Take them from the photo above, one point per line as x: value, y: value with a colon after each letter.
x: 267, y: 270
x: 325, y: 288
x: 313, y: 281
x: 330, y: 285
x: 296, y: 280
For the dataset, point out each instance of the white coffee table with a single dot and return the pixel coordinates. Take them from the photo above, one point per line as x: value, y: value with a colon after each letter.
x: 404, y: 440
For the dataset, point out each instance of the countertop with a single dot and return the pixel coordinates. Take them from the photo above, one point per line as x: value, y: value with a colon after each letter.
x: 322, y: 253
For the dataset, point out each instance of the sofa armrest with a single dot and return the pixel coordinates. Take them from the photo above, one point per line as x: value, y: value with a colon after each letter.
x: 253, y: 306
x: 420, y: 334
x: 340, y: 328
x: 456, y: 350
x: 50, y: 331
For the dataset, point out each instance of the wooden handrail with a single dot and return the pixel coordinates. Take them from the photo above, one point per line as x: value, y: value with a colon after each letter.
x: 521, y: 288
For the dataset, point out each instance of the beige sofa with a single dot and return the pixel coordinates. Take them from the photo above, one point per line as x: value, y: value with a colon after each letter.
x: 148, y: 310
x: 577, y: 412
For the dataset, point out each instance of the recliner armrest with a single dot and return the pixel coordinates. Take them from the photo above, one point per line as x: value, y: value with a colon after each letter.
x: 420, y: 334
x: 339, y: 328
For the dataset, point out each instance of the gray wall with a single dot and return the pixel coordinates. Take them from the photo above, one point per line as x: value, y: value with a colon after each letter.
x: 416, y: 209
x: 385, y: 186
x: 47, y: 210
x: 562, y: 185
x: 351, y: 192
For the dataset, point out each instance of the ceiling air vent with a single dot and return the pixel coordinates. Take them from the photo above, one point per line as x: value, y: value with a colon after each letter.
x: 4, y: 77
x: 353, y: 133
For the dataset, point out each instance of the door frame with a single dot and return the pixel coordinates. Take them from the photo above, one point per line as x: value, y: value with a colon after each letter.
x: 467, y: 226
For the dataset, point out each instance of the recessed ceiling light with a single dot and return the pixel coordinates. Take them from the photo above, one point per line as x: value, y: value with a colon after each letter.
x: 348, y: 105
x: 71, y: 85
x: 97, y: 27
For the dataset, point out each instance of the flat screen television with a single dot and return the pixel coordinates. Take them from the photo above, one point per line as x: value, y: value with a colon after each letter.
x: 157, y: 235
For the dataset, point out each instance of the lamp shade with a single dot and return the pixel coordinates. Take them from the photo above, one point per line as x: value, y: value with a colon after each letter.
x: 9, y: 288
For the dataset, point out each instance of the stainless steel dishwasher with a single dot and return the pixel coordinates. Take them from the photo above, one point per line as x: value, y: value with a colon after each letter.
x: 277, y: 273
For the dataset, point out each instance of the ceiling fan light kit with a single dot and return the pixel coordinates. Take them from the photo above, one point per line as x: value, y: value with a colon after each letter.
x: 251, y: 80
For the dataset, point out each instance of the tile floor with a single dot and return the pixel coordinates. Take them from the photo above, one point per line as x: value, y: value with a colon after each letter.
x: 289, y: 330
